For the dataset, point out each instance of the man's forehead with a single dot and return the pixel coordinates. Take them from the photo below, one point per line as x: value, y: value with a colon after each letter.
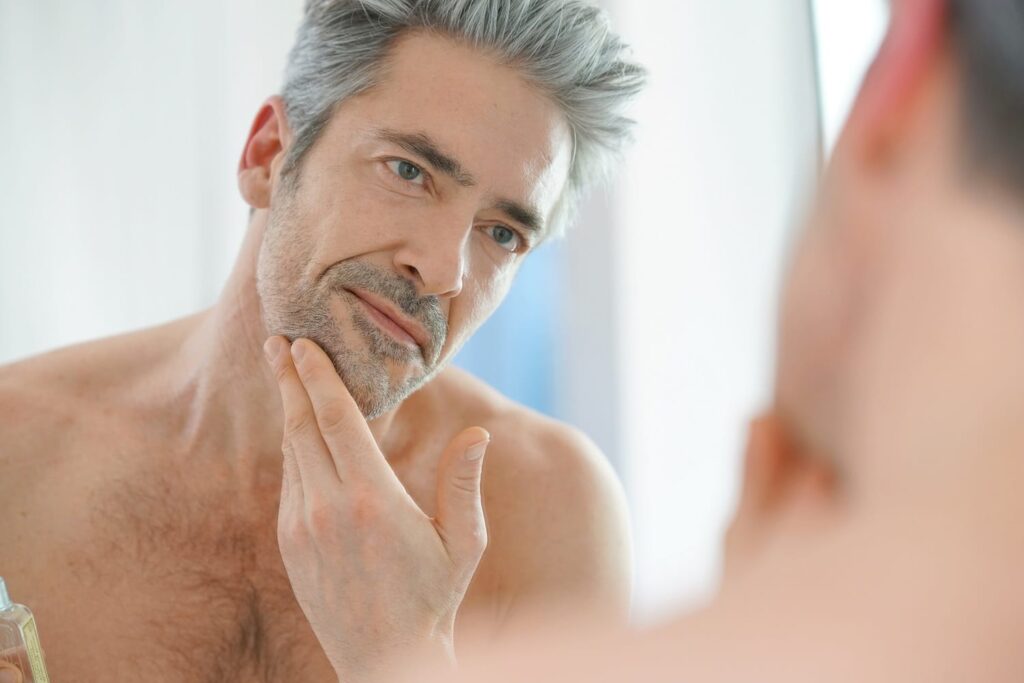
x: 506, y: 135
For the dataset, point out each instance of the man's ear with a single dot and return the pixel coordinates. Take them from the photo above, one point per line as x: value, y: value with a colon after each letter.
x: 264, y: 151
x: 914, y: 47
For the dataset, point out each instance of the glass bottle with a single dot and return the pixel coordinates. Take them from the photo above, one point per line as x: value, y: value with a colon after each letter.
x: 19, y: 639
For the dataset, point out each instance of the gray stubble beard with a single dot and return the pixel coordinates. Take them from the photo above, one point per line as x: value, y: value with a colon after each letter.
x: 293, y: 311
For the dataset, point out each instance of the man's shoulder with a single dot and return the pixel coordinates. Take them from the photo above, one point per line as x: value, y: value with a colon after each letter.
x: 47, y: 398
x: 552, y: 499
x: 525, y: 444
x: 38, y: 425
x: 53, y: 379
x: 37, y: 397
x: 80, y: 376
x: 27, y: 386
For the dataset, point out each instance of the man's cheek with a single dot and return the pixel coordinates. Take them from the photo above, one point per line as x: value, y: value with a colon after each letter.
x: 480, y: 297
x: 468, y: 312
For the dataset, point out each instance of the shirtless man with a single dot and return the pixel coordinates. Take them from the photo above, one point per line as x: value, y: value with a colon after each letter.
x: 880, y: 535
x: 420, y: 150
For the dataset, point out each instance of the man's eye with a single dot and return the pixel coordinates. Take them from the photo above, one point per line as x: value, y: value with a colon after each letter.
x: 507, y: 238
x: 406, y: 171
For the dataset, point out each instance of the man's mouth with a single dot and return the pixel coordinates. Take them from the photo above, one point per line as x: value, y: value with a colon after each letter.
x: 389, y: 318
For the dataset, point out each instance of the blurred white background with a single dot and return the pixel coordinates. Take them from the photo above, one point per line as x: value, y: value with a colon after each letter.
x: 121, y: 133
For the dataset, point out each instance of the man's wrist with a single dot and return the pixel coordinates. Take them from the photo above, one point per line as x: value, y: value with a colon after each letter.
x: 436, y: 653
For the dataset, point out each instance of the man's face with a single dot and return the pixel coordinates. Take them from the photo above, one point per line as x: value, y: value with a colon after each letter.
x: 411, y: 215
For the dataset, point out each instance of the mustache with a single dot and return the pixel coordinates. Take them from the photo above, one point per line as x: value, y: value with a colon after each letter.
x: 396, y: 289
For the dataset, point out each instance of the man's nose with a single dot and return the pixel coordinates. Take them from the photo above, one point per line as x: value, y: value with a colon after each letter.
x: 435, y: 258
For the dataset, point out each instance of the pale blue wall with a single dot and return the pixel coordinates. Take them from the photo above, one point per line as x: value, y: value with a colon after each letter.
x: 515, y: 349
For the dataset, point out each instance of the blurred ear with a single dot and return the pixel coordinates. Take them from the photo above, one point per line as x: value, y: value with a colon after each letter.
x: 895, y: 85
x: 269, y: 139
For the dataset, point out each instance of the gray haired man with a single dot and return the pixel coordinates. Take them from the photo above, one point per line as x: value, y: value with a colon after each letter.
x: 420, y: 150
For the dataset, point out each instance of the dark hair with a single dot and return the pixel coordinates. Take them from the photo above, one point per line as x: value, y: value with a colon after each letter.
x: 988, y: 36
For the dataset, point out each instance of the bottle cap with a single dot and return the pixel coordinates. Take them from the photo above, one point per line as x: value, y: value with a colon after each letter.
x: 5, y: 599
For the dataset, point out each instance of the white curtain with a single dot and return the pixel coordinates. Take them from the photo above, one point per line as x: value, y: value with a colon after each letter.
x: 121, y: 129
x: 726, y: 152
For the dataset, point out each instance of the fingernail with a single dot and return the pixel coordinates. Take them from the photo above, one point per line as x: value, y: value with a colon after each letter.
x: 477, y: 450
x: 10, y: 676
x: 272, y: 349
x: 298, y: 350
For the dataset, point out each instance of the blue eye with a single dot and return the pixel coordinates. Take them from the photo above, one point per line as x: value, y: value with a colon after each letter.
x: 406, y: 171
x: 507, y: 238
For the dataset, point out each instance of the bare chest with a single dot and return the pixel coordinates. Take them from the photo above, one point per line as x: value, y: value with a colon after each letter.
x: 162, y: 584
x: 153, y: 578
x: 194, y: 626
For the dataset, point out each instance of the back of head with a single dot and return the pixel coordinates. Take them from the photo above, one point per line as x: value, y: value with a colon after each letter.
x: 865, y: 302
x: 563, y: 47
x: 988, y: 36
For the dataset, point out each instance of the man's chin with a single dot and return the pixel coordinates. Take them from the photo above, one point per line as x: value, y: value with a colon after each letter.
x: 381, y: 388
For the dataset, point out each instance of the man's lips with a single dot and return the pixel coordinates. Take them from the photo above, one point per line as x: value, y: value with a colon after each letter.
x: 403, y: 328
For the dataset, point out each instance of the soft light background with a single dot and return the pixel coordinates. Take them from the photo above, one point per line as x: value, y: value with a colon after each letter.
x: 650, y: 327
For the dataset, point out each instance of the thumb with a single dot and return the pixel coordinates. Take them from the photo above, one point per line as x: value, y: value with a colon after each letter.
x: 10, y: 674
x: 460, y: 513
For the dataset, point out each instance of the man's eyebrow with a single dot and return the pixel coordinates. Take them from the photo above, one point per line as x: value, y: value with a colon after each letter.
x: 422, y: 145
x: 528, y: 217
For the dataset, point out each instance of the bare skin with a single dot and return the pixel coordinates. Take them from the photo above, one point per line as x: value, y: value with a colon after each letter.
x: 140, y: 476
x: 158, y: 558
x: 917, y: 590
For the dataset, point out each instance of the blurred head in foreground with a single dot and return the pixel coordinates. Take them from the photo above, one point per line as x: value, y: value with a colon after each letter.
x: 902, y: 324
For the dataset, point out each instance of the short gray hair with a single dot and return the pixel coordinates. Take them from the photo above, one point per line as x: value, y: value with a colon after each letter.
x: 564, y: 47
x: 988, y: 36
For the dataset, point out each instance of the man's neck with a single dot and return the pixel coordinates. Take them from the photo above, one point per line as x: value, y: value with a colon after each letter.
x: 220, y: 376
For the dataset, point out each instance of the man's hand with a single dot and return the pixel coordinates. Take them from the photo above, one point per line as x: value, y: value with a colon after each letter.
x: 783, y: 491
x: 375, y: 576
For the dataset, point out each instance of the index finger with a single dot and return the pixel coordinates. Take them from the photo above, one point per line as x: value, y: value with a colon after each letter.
x: 301, y: 434
x: 341, y: 422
